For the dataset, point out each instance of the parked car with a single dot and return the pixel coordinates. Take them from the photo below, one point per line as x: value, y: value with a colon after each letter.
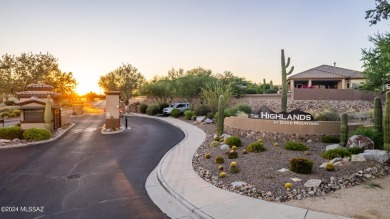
x: 181, y: 106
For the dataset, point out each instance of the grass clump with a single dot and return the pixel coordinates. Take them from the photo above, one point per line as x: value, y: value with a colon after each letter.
x: 295, y: 146
x: 301, y: 165
x: 233, y: 141
x: 255, y: 147
x: 188, y: 114
x: 330, y: 139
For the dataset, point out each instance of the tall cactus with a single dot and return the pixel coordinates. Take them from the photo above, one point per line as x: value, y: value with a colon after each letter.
x: 220, y: 115
x: 378, y: 121
x: 284, y: 80
x: 386, y: 124
x: 48, y: 115
x: 271, y: 85
x: 264, y: 86
x: 344, y: 129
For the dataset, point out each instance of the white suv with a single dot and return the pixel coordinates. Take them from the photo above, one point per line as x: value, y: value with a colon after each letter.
x: 181, y: 106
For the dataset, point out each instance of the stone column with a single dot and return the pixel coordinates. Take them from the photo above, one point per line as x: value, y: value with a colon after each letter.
x: 112, y: 110
x: 343, y: 83
x: 292, y: 85
x: 310, y: 83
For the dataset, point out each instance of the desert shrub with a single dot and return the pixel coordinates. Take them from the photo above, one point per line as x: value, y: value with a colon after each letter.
x: 188, y: 114
x: 251, y: 91
x: 301, y: 165
x: 371, y: 133
x: 337, y: 152
x: 210, y: 115
x: 142, y: 108
x: 193, y: 117
x: 175, y: 113
x: 233, y: 140
x: 328, y: 115
x: 9, y: 102
x: 271, y: 91
x: 202, y: 110
x: 232, y: 111
x: 234, y: 147
x: 329, y: 167
x: 16, y: 112
x: 244, y: 108
x: 330, y: 139
x: 11, y: 132
x: 37, y: 134
x: 5, y: 114
x: 219, y: 159
x: 207, y: 156
x: 355, y: 150
x: 11, y: 115
x: 152, y: 110
x: 161, y: 106
x: 255, y: 147
x: 295, y: 146
x: 232, y: 154
x: 214, y: 143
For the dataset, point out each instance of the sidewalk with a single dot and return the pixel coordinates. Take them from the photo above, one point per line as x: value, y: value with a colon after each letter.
x: 201, y: 199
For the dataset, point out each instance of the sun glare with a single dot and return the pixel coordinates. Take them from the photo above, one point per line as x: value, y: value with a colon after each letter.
x: 84, y: 89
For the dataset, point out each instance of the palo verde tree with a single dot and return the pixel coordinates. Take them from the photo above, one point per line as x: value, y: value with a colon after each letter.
x: 284, y: 80
x: 125, y: 79
x: 212, y: 91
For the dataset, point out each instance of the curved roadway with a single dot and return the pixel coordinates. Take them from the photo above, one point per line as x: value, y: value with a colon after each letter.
x: 86, y: 174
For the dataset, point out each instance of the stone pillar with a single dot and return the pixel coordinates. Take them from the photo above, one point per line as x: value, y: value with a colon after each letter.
x: 112, y: 110
x: 343, y: 84
x: 310, y: 83
x: 292, y: 85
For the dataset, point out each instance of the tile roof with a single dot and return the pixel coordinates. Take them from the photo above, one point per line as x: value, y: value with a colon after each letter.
x: 328, y: 72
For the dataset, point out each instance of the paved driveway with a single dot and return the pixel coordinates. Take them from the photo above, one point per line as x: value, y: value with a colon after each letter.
x: 86, y: 174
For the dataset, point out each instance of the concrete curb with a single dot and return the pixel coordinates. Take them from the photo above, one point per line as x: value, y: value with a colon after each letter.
x: 39, y: 142
x: 121, y: 129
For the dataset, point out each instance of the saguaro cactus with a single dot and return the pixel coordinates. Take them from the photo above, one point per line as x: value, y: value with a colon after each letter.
x: 220, y: 115
x: 344, y: 129
x: 264, y: 86
x: 48, y: 116
x: 378, y: 121
x: 386, y: 124
x: 284, y: 80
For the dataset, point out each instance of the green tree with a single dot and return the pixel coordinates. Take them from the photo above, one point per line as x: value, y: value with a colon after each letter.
x: 160, y: 91
x: 17, y: 72
x: 190, y: 86
x: 376, y: 63
x: 125, y: 79
x: 381, y: 11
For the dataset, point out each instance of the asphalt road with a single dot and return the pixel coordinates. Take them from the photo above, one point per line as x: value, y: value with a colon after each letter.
x: 86, y: 174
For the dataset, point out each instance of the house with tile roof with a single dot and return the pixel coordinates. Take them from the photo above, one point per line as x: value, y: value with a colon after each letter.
x: 326, y: 77
x: 32, y: 106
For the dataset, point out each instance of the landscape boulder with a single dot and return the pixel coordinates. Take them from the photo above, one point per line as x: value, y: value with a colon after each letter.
x: 313, y: 183
x: 332, y: 146
x: 360, y: 141
x: 358, y: 158
x: 376, y: 155
x: 200, y: 118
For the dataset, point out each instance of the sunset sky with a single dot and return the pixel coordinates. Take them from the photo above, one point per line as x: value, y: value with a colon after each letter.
x: 91, y: 38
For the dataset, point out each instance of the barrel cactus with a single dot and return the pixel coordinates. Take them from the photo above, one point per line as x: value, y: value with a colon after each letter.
x: 344, y: 130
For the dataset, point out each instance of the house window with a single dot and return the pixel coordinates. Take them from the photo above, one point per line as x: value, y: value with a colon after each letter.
x: 34, y: 115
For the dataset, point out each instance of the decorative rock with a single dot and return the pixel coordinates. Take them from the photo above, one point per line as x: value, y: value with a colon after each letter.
x: 4, y: 141
x: 200, y: 118
x: 332, y: 146
x: 296, y: 179
x: 16, y: 140
x: 313, y: 183
x: 238, y: 184
x: 208, y: 121
x: 306, y: 153
x: 360, y: 141
x: 309, y: 141
x: 225, y: 147
x: 346, y: 159
x: 337, y: 159
x: 283, y: 170
x: 358, y: 158
x: 338, y: 164
x: 225, y: 136
x: 377, y: 155
x: 323, y: 165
